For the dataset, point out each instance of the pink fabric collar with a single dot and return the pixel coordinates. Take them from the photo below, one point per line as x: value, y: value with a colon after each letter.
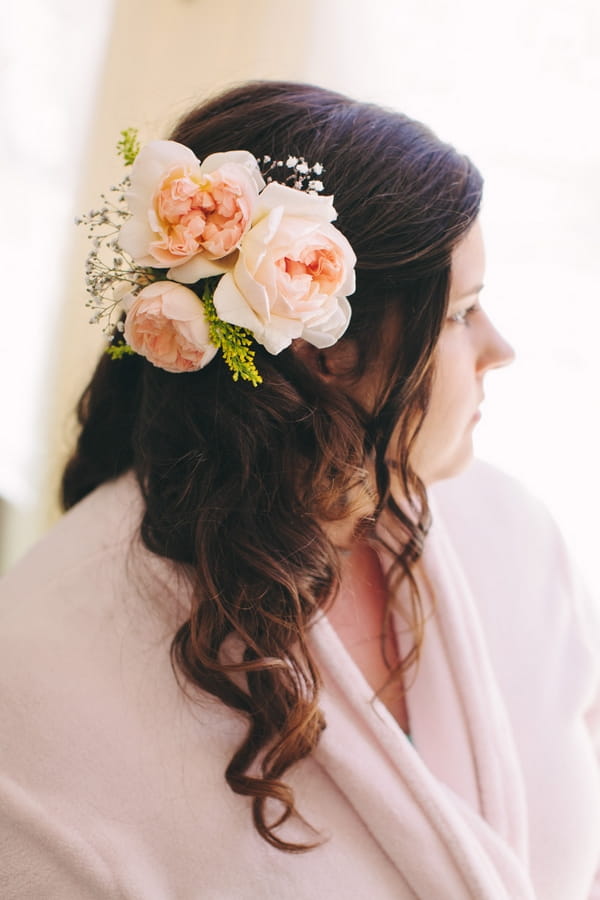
x: 457, y: 797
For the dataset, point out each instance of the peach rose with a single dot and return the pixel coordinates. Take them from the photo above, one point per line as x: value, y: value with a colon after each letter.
x: 184, y: 214
x: 166, y: 324
x: 293, y: 272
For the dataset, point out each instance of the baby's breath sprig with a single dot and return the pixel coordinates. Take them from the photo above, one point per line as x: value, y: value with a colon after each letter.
x: 110, y: 273
x: 129, y: 146
x: 302, y: 176
x: 233, y: 341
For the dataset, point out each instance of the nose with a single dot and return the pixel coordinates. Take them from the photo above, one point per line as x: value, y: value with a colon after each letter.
x: 495, y: 349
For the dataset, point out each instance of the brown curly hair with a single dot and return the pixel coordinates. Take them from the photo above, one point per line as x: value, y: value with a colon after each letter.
x: 238, y: 481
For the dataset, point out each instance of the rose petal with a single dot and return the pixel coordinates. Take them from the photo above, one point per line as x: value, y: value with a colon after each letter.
x: 154, y: 161
x: 200, y: 266
x: 294, y: 203
x: 135, y: 237
x: 240, y: 158
x: 231, y: 305
x: 327, y: 333
x: 279, y: 334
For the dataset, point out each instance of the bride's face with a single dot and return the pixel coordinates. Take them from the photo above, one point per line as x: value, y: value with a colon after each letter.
x: 469, y: 346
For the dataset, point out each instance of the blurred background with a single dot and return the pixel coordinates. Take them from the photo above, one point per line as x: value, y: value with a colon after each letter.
x: 515, y: 85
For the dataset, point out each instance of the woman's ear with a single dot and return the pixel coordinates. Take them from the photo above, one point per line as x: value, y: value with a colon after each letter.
x: 310, y: 355
x: 336, y: 366
x: 329, y: 363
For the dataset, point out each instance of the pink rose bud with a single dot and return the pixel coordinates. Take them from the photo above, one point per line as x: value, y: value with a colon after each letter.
x: 167, y: 325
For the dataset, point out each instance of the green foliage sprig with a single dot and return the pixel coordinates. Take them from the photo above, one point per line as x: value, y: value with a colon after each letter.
x: 118, y: 351
x: 233, y: 341
x: 129, y: 146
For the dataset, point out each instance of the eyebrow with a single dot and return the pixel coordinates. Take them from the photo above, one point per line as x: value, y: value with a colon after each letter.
x: 469, y: 293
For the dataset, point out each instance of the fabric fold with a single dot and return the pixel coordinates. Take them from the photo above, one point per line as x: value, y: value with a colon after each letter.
x: 470, y: 816
x: 498, y: 773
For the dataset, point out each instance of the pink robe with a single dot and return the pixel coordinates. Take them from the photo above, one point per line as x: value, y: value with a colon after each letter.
x: 111, y: 780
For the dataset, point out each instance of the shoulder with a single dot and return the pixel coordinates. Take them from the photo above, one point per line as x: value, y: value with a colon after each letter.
x: 510, y: 548
x: 56, y: 606
x: 91, y: 713
x: 92, y: 563
x: 501, y: 530
x: 86, y: 616
x: 88, y: 597
x: 66, y: 581
x: 515, y: 560
x: 102, y: 522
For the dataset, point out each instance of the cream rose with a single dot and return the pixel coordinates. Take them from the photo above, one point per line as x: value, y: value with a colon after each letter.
x: 186, y: 214
x: 166, y: 324
x: 293, y: 272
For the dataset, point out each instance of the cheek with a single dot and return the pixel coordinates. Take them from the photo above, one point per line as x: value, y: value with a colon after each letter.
x: 444, y: 391
x: 443, y: 444
x: 454, y: 376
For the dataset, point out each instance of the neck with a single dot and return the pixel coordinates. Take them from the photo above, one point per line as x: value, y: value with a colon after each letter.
x: 358, y: 616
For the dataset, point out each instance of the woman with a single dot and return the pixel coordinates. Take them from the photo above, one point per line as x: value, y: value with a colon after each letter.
x: 259, y: 657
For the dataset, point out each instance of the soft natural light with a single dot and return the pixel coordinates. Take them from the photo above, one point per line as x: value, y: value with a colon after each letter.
x: 52, y: 54
x: 515, y: 85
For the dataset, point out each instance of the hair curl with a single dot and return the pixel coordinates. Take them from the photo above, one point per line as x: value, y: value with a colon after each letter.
x: 238, y: 481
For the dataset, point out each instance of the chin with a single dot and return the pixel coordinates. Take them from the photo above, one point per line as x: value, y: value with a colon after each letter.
x: 448, y: 468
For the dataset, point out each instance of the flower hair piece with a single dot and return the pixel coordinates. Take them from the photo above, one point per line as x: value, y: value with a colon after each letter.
x: 190, y: 258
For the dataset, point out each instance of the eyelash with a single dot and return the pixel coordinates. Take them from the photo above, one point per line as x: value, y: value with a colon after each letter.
x: 463, y: 315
